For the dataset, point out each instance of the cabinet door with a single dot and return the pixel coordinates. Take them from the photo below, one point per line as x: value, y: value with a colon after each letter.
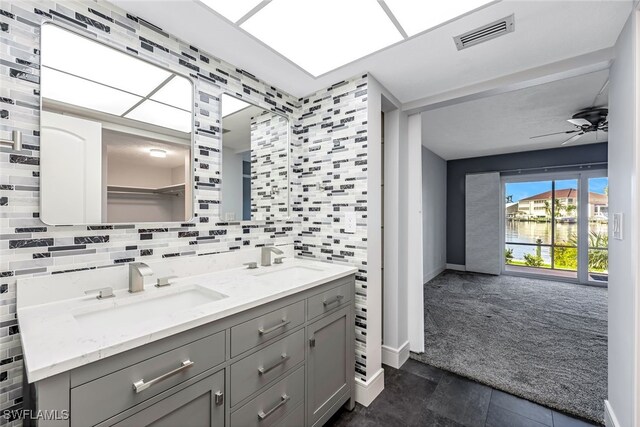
x: 199, y: 405
x: 329, y: 354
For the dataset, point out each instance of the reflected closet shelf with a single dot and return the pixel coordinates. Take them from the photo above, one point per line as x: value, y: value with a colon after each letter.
x: 169, y: 190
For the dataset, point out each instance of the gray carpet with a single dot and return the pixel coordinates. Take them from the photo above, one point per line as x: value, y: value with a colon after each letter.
x: 541, y: 340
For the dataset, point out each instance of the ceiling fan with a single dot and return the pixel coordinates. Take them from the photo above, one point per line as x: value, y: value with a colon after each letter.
x: 585, y: 121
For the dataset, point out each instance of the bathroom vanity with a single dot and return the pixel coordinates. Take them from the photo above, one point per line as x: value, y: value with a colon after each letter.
x: 195, y: 340
x: 239, y: 347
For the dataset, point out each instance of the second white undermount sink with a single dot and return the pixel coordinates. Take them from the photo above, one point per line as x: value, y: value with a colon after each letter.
x: 137, y: 308
x: 292, y: 272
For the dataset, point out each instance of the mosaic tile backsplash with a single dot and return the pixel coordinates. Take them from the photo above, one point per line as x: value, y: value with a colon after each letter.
x: 328, y: 169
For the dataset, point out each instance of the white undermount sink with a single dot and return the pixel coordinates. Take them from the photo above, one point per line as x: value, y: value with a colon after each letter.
x: 121, y: 311
x: 293, y: 272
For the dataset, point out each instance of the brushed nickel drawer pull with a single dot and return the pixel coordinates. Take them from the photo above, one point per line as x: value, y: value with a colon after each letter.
x: 262, y: 415
x: 219, y: 398
x: 140, y: 385
x: 283, y: 359
x: 282, y: 324
x: 331, y: 300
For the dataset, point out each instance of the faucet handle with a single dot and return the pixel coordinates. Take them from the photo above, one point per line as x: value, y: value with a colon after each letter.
x: 102, y: 292
x: 251, y: 265
x: 164, y: 281
x: 278, y: 260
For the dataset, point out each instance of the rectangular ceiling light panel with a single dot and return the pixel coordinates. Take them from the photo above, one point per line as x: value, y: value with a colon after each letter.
x: 161, y: 115
x: 326, y: 34
x: 416, y: 16
x: 73, y: 90
x: 177, y: 92
x: 75, y: 54
x: 233, y: 10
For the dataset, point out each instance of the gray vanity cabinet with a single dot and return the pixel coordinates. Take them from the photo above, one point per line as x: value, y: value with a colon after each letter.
x: 287, y: 363
x: 329, y: 359
x: 198, y: 405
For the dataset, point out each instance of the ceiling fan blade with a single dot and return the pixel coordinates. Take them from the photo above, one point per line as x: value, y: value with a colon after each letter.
x: 556, y: 133
x: 573, y: 138
x: 580, y: 122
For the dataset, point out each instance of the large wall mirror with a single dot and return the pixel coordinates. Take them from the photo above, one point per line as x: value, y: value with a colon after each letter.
x: 255, y: 162
x: 116, y: 135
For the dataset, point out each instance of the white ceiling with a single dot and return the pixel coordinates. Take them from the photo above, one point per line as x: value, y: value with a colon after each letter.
x: 422, y: 66
x: 504, y: 123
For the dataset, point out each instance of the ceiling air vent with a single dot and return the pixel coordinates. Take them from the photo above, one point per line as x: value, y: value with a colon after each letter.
x: 486, y: 32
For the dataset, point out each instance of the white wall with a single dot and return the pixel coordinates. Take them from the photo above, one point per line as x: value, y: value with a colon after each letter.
x: 434, y: 214
x: 623, y: 254
x: 374, y: 240
x: 413, y: 220
x: 392, y: 260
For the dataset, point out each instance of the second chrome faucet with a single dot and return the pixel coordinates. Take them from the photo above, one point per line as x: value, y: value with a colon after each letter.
x: 265, y: 257
x: 137, y: 272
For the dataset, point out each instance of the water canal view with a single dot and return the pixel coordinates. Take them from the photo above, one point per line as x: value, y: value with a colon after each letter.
x: 541, y: 227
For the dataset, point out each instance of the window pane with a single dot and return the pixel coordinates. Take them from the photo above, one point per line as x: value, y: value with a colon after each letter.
x: 528, y: 256
x: 565, y: 208
x: 565, y: 258
x: 598, y: 212
x: 528, y: 212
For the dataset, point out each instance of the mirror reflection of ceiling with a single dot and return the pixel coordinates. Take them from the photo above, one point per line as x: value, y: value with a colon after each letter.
x: 127, y: 148
x: 85, y: 73
x: 236, y: 123
x: 371, y: 24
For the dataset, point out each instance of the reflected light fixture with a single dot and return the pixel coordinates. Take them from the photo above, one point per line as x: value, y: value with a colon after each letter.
x: 156, y: 152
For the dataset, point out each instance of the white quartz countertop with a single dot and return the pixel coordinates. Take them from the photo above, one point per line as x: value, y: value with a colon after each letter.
x: 65, y: 334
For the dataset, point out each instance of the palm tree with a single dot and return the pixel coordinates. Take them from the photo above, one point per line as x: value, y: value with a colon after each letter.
x: 558, y: 207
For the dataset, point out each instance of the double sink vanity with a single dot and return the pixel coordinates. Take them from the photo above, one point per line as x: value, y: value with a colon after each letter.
x: 224, y: 345
x: 230, y: 339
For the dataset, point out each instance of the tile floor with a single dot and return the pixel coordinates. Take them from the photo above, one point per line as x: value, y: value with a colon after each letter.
x: 421, y: 395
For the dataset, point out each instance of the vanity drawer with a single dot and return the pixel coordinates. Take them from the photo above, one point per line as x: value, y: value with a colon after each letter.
x: 328, y: 300
x: 107, y: 396
x: 270, y: 407
x: 250, y: 334
x: 253, y: 372
x: 294, y: 419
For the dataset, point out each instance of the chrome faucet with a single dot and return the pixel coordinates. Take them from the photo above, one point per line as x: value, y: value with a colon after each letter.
x: 266, y: 255
x: 137, y: 272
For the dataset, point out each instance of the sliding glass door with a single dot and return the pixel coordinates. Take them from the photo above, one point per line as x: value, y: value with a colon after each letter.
x: 550, y: 222
x: 598, y: 237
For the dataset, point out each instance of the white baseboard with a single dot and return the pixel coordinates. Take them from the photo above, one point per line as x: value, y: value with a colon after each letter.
x: 367, y: 391
x: 610, y: 419
x: 433, y: 273
x: 458, y: 267
x: 395, y: 357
